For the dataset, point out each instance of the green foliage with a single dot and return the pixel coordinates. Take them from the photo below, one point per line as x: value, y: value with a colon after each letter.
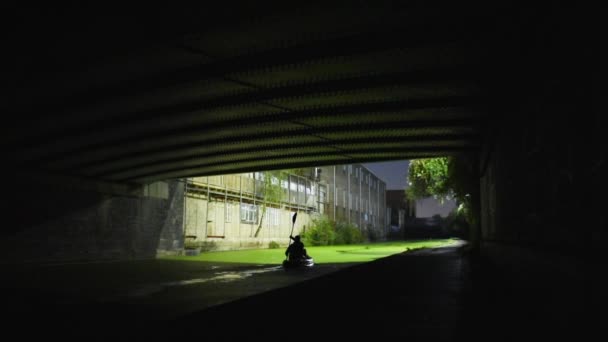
x: 322, y: 232
x: 190, y: 242
x: 465, y: 185
x: 428, y: 177
x: 273, y: 245
x: 456, y: 224
x: 271, y: 192
x: 347, y: 233
x: 372, y: 234
x: 446, y: 177
x: 272, y: 185
x: 298, y: 171
x: 325, y: 232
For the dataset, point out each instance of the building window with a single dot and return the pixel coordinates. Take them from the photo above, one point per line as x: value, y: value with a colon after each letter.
x: 293, y: 186
x: 322, y: 194
x: 273, y: 216
x: 249, y: 213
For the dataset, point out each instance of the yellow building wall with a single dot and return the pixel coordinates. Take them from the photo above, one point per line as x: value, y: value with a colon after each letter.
x: 217, y: 225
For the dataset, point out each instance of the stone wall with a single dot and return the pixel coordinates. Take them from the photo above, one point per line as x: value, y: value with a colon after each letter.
x: 543, y: 206
x: 544, y: 166
x: 52, y: 223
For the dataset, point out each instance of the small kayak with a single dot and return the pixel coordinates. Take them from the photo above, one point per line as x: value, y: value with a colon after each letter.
x: 300, y: 263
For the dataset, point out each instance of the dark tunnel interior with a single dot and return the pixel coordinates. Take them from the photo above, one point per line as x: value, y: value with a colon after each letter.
x: 102, y: 101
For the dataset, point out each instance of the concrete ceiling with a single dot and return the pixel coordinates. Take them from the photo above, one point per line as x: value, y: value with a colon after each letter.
x: 125, y: 96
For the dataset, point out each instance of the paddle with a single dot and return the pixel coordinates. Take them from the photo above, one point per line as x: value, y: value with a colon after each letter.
x: 293, y: 223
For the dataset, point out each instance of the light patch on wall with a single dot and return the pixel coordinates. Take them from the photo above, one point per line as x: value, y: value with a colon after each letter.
x: 157, y: 190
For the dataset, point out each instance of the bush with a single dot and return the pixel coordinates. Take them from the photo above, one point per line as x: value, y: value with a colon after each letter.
x: 456, y: 224
x: 322, y: 232
x: 372, y: 234
x: 347, y: 233
x: 191, y: 243
x: 273, y: 245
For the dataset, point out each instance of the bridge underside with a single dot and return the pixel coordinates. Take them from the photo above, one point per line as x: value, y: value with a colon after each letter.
x: 109, y: 98
x: 178, y: 92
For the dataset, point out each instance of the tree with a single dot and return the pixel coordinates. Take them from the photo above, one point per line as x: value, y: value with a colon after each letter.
x: 463, y: 181
x: 443, y: 178
x: 428, y: 177
x: 449, y: 177
x: 271, y: 192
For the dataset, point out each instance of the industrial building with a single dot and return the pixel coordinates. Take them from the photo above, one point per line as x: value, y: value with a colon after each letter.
x: 231, y: 212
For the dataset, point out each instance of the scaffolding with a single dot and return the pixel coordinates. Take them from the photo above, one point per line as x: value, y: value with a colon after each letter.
x: 299, y: 194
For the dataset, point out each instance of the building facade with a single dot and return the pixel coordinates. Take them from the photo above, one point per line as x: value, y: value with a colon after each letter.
x: 399, y: 209
x: 232, y: 212
x: 355, y: 195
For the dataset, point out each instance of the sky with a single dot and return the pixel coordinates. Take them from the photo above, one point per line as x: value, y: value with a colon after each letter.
x: 394, y: 173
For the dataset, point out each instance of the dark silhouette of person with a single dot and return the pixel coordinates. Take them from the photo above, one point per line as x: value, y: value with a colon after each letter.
x: 296, y: 250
